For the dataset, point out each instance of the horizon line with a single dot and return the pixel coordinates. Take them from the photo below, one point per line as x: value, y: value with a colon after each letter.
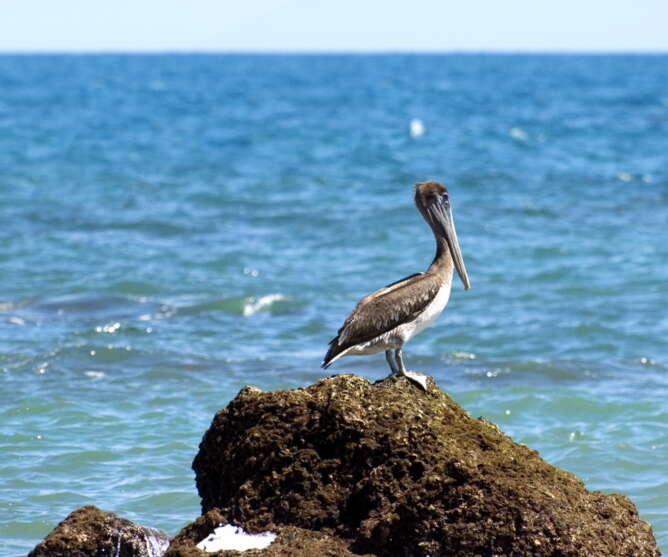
x: 334, y: 52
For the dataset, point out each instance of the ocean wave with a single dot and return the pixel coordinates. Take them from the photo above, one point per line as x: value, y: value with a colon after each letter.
x: 253, y: 305
x: 115, y: 314
x: 241, y: 305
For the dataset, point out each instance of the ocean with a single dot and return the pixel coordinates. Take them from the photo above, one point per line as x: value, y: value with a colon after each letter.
x: 174, y: 227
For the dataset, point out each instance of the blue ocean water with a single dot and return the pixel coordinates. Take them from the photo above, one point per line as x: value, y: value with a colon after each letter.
x: 175, y: 227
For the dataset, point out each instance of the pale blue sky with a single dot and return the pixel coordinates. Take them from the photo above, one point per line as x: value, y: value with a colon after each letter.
x: 334, y: 25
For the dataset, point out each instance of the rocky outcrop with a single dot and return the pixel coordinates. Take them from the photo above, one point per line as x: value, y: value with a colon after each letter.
x: 390, y: 470
x: 90, y: 532
x: 345, y: 468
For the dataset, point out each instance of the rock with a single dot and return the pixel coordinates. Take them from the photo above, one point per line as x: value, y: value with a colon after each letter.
x: 290, y: 542
x: 392, y: 470
x: 90, y: 532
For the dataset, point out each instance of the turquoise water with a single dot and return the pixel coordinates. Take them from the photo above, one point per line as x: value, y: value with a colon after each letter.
x: 176, y: 227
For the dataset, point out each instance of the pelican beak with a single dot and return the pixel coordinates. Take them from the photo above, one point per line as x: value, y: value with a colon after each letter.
x: 440, y: 214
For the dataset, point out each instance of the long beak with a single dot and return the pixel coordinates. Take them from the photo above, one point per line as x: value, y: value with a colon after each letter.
x: 441, y: 216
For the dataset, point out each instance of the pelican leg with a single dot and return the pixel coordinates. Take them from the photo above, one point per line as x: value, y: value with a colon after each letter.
x: 400, y: 367
x: 388, y: 357
x: 420, y: 379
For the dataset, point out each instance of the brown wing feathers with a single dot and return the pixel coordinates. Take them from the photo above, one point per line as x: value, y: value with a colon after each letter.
x: 384, y: 310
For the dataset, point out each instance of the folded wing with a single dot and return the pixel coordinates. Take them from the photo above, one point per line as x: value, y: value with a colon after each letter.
x: 384, y: 310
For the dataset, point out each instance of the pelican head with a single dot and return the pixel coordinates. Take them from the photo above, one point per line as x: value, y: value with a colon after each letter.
x: 433, y: 202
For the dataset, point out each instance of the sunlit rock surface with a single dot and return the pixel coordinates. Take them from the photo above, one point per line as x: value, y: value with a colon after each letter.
x: 388, y: 469
x: 90, y: 532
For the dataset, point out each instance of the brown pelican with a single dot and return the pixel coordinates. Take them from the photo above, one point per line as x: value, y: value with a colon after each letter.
x: 390, y: 317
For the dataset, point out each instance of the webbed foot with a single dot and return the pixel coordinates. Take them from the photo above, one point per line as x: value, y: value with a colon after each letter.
x: 398, y: 367
x: 420, y: 379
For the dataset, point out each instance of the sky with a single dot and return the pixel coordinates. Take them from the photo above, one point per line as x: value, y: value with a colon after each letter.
x: 334, y: 25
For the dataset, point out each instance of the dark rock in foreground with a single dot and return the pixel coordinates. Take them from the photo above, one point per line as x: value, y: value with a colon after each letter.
x: 290, y: 542
x: 90, y: 532
x: 393, y: 471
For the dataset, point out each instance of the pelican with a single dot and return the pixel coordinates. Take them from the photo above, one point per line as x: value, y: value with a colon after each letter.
x: 390, y: 317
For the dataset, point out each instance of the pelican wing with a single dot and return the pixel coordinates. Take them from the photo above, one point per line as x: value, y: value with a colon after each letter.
x: 382, y: 311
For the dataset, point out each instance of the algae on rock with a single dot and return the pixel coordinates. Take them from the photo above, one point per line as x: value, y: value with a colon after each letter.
x: 90, y: 532
x: 396, y: 471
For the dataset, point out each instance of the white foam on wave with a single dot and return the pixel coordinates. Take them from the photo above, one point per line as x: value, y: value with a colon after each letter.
x: 253, y: 305
x: 109, y: 328
x: 464, y: 355
x: 416, y: 128
x: 165, y: 313
x: 156, y: 545
x: 519, y: 134
x: 230, y: 537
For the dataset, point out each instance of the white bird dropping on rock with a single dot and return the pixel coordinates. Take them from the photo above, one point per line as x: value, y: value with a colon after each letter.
x: 416, y: 127
x: 230, y: 537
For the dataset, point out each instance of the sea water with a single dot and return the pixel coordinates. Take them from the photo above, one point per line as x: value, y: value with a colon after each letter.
x: 174, y: 227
